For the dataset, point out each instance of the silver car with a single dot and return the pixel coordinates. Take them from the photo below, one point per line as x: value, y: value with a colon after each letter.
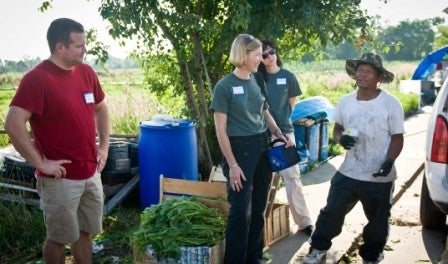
x: 434, y: 196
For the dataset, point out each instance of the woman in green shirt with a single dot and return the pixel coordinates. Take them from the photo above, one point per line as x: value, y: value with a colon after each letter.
x: 241, y: 121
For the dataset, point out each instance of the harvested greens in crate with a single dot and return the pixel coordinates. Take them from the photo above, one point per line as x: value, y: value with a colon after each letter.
x: 178, y: 223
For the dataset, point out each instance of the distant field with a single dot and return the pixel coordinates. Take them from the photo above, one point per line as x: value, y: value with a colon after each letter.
x: 130, y: 102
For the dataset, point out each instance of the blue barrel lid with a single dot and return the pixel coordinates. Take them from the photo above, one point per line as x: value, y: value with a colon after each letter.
x: 166, y: 122
x: 316, y: 107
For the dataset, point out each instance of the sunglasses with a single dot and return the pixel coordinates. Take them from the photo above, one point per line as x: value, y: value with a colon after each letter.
x: 266, y: 55
x: 248, y: 39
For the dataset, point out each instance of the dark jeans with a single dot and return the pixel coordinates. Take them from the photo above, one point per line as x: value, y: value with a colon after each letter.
x: 345, y: 192
x: 245, y: 222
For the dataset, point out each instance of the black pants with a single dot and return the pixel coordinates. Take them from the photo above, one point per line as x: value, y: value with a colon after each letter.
x: 245, y: 223
x: 345, y: 192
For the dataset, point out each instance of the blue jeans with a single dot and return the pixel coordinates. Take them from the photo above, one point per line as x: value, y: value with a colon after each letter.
x: 245, y: 222
x: 345, y: 192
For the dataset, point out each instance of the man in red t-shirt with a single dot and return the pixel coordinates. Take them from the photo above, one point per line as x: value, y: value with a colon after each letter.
x: 63, y: 102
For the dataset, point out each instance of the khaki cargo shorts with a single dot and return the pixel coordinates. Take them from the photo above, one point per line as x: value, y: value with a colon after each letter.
x: 70, y: 206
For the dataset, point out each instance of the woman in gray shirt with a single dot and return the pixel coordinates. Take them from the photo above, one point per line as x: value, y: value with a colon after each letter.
x: 241, y: 121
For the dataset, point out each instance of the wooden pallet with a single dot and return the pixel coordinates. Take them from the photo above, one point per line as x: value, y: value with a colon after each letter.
x: 26, y: 189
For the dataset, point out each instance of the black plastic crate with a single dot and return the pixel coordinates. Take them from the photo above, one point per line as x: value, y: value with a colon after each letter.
x: 118, y: 165
x: 118, y: 150
x: 17, y: 168
x: 118, y: 157
x: 133, y: 154
x: 115, y: 177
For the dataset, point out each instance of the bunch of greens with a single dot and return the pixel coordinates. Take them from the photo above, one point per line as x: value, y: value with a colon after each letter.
x: 178, y: 222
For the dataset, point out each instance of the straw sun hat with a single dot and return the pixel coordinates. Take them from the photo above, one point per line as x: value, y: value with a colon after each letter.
x: 371, y: 59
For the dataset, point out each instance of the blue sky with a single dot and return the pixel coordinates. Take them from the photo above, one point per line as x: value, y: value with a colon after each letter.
x: 23, y: 27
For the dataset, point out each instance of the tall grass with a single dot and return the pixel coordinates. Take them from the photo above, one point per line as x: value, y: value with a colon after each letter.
x: 329, y: 79
x: 130, y: 102
x: 21, y: 231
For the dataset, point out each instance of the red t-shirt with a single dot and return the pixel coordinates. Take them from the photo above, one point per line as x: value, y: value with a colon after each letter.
x: 62, y: 122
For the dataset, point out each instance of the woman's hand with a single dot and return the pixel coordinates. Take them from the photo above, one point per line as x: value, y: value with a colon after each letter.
x: 286, y: 139
x: 236, y: 176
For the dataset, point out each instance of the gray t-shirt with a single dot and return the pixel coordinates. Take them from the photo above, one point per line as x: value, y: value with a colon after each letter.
x: 281, y: 86
x: 243, y: 103
x: 375, y: 120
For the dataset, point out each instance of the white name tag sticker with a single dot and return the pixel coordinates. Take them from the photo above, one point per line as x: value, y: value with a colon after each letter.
x: 281, y: 81
x: 238, y: 90
x: 89, y: 98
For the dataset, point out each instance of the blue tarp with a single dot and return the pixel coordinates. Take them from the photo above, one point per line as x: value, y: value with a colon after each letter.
x: 428, y: 65
x: 317, y: 107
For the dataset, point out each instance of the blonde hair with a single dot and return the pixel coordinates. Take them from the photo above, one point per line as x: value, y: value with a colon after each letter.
x: 241, y: 46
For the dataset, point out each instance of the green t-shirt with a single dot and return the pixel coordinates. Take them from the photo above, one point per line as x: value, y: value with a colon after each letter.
x: 243, y: 103
x: 281, y: 86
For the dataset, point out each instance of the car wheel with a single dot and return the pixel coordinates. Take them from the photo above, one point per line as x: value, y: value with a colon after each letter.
x: 430, y: 215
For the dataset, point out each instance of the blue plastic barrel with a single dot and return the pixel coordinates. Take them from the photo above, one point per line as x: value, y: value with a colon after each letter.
x: 168, y: 148
x: 313, y: 142
x: 323, y: 148
x: 300, y: 133
x: 301, y: 141
x: 304, y: 154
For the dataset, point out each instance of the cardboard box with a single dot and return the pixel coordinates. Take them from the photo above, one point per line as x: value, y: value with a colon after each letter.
x: 216, y: 174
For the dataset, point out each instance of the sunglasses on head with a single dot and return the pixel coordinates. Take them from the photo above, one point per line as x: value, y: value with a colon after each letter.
x: 266, y: 55
x: 248, y: 39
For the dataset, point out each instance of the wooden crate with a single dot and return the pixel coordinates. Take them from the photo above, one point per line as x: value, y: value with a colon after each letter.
x: 213, y: 194
x: 276, y: 224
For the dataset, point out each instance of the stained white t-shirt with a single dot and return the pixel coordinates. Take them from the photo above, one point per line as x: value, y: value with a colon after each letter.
x: 375, y: 120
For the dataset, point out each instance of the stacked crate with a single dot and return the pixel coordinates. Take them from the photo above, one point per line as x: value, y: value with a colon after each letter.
x: 17, y: 170
x: 118, y: 165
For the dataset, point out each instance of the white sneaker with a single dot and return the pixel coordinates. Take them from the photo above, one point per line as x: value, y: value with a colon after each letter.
x: 314, y: 256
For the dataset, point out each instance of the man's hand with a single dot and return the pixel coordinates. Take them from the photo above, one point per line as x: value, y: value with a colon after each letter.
x: 347, y: 141
x: 101, y: 159
x: 385, y: 169
x: 54, y: 167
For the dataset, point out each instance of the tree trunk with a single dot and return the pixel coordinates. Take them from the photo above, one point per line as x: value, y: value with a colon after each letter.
x: 199, y: 74
x: 204, y: 152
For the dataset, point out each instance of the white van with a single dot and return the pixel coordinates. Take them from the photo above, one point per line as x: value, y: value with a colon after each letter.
x: 434, y: 196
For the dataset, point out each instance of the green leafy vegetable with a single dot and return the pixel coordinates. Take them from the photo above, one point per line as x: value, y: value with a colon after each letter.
x: 178, y: 222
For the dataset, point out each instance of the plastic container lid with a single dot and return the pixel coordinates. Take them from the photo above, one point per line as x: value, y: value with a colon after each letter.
x: 166, y: 121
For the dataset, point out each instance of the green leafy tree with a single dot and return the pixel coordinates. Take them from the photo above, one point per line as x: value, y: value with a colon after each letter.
x: 194, y: 37
x: 21, y: 66
x: 441, y: 37
x: 342, y: 51
x: 187, y: 41
x: 415, y: 37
